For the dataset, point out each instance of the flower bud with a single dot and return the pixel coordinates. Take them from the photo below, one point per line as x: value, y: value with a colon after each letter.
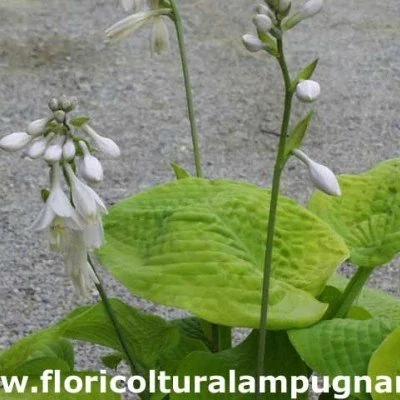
x: 91, y: 168
x: 252, y: 43
x: 263, y: 9
x: 321, y: 177
x: 311, y: 8
x: 59, y: 115
x: 37, y: 127
x: 263, y: 23
x: 160, y: 37
x: 15, y: 141
x: 68, y: 150
x: 307, y: 91
x: 53, y: 104
x: 105, y: 145
x: 53, y: 153
x: 284, y: 5
x: 38, y: 147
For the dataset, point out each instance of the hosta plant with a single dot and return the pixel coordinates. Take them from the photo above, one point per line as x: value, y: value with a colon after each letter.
x: 231, y: 253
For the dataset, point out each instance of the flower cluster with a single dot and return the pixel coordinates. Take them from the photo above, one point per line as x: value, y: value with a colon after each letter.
x: 72, y: 222
x: 271, y: 20
x: 151, y: 11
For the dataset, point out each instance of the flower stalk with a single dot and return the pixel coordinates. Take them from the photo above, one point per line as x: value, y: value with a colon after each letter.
x: 279, y: 165
x: 188, y: 87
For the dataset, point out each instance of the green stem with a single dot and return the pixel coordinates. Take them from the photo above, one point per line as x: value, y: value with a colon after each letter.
x: 107, y: 305
x: 220, y: 335
x: 350, y: 294
x: 279, y: 165
x: 189, y: 98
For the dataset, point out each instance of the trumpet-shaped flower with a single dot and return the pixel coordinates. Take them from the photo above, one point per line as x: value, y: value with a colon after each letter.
x: 320, y: 175
x: 105, y: 145
x: 91, y: 168
x: 57, y: 205
x: 15, y: 141
x: 37, y: 127
x: 89, y: 206
x: 78, y: 268
x: 308, y: 91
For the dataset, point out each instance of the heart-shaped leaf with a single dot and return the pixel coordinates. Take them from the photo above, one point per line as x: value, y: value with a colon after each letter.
x: 199, y: 245
x: 340, y: 346
x: 367, y: 215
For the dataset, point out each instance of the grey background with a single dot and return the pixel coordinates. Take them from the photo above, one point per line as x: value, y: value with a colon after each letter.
x: 53, y: 47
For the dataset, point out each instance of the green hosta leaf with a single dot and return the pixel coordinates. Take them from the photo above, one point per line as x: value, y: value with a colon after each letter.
x: 96, y: 393
x: 147, y: 335
x: 16, y: 355
x: 112, y: 360
x: 179, y: 171
x: 367, y: 215
x: 199, y: 245
x: 386, y: 361
x: 281, y: 360
x: 340, y: 346
x: 79, y: 121
x: 296, y: 137
x: 379, y: 304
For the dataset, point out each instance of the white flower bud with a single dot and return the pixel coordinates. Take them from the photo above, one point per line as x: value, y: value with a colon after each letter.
x: 15, y: 141
x: 262, y: 22
x: 307, y: 91
x: 105, y: 145
x: 263, y: 9
x: 59, y: 115
x: 38, y: 147
x: 68, y: 150
x: 160, y: 37
x: 53, y: 153
x: 252, y: 43
x: 91, y: 169
x: 311, y: 8
x: 321, y: 177
x: 284, y: 5
x: 37, y: 127
x: 53, y: 104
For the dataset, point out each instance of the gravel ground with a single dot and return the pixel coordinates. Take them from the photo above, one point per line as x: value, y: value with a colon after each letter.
x: 48, y: 48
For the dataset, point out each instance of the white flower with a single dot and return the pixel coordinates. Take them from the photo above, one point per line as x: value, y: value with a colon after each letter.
x: 311, y: 8
x: 89, y: 206
x: 130, y: 24
x: 38, y: 146
x: 159, y: 37
x: 15, y: 141
x: 105, y: 145
x: 284, y: 5
x: 308, y: 91
x: 92, y: 169
x: 57, y: 205
x: 68, y: 150
x: 263, y: 23
x: 78, y: 268
x: 37, y: 127
x: 322, y: 177
x: 253, y: 43
x: 53, y: 153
